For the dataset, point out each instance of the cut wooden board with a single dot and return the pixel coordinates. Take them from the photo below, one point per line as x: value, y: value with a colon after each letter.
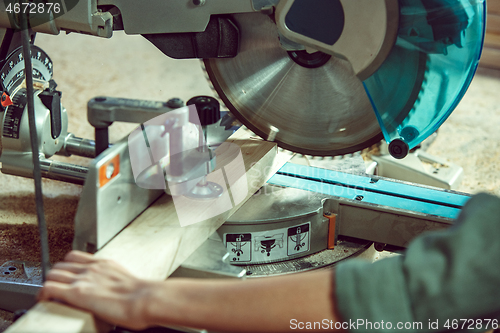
x: 491, y: 51
x: 57, y: 318
x: 158, y: 229
x: 492, y: 40
x: 155, y: 244
x: 493, y: 23
x: 490, y: 58
x: 493, y: 7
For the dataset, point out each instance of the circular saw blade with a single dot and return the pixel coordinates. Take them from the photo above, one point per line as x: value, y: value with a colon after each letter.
x: 314, y: 111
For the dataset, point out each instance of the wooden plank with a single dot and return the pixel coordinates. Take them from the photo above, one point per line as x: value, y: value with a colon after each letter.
x: 492, y: 40
x: 57, y: 318
x: 493, y: 6
x: 158, y: 231
x: 493, y: 24
x: 490, y: 58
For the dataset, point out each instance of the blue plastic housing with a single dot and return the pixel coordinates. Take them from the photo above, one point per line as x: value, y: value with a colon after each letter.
x: 430, y: 67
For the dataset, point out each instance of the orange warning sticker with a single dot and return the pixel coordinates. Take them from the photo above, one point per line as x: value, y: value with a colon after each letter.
x: 109, y: 170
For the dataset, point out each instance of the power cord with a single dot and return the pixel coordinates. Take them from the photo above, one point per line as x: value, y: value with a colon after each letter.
x: 37, y: 174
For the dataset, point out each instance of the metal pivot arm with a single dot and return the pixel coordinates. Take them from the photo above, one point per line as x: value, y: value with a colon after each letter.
x: 103, y: 111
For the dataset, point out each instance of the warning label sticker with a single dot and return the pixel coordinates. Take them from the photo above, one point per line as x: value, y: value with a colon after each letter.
x: 270, y: 245
x: 239, y: 247
x: 298, y: 239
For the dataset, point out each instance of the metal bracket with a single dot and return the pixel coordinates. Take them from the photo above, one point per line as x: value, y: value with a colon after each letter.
x: 420, y: 167
x: 104, y: 210
x: 19, y: 283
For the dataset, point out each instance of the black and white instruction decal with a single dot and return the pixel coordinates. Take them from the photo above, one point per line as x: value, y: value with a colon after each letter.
x: 270, y: 245
x: 298, y: 239
x: 239, y: 247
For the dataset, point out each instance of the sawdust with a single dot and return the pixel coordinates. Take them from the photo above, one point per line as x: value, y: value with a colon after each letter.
x: 373, y: 150
x: 6, y: 319
x: 21, y: 241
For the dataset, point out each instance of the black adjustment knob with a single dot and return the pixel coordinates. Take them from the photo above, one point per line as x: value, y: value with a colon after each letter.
x: 398, y: 149
x: 208, y: 109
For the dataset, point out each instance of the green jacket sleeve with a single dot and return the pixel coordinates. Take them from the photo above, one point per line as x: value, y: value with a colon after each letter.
x: 444, y: 278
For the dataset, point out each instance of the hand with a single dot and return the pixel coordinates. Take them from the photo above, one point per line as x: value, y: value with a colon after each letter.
x: 100, y: 286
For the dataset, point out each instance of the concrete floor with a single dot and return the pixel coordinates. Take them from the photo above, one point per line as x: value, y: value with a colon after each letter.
x: 129, y: 66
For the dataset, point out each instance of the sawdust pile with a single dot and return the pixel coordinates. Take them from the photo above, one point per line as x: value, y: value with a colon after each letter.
x: 6, y: 319
x: 21, y: 241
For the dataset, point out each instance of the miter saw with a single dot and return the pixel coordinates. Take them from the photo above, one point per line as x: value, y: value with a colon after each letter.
x: 320, y: 78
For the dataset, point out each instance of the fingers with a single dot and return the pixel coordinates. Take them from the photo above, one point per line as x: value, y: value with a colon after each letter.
x: 62, y: 276
x: 54, y: 290
x: 79, y: 256
x: 73, y: 267
x: 76, y: 262
x: 63, y: 281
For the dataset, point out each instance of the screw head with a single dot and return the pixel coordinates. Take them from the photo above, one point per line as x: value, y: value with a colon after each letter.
x: 109, y: 170
x: 175, y: 103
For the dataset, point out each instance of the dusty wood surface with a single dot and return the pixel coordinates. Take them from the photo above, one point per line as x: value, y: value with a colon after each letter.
x: 490, y: 58
x: 493, y: 23
x: 493, y: 7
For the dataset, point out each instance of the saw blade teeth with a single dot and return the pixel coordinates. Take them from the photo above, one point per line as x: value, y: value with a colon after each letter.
x: 280, y: 149
x: 223, y: 106
x: 263, y: 87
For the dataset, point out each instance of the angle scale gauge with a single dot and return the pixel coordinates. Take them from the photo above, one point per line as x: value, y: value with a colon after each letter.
x: 51, y: 118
